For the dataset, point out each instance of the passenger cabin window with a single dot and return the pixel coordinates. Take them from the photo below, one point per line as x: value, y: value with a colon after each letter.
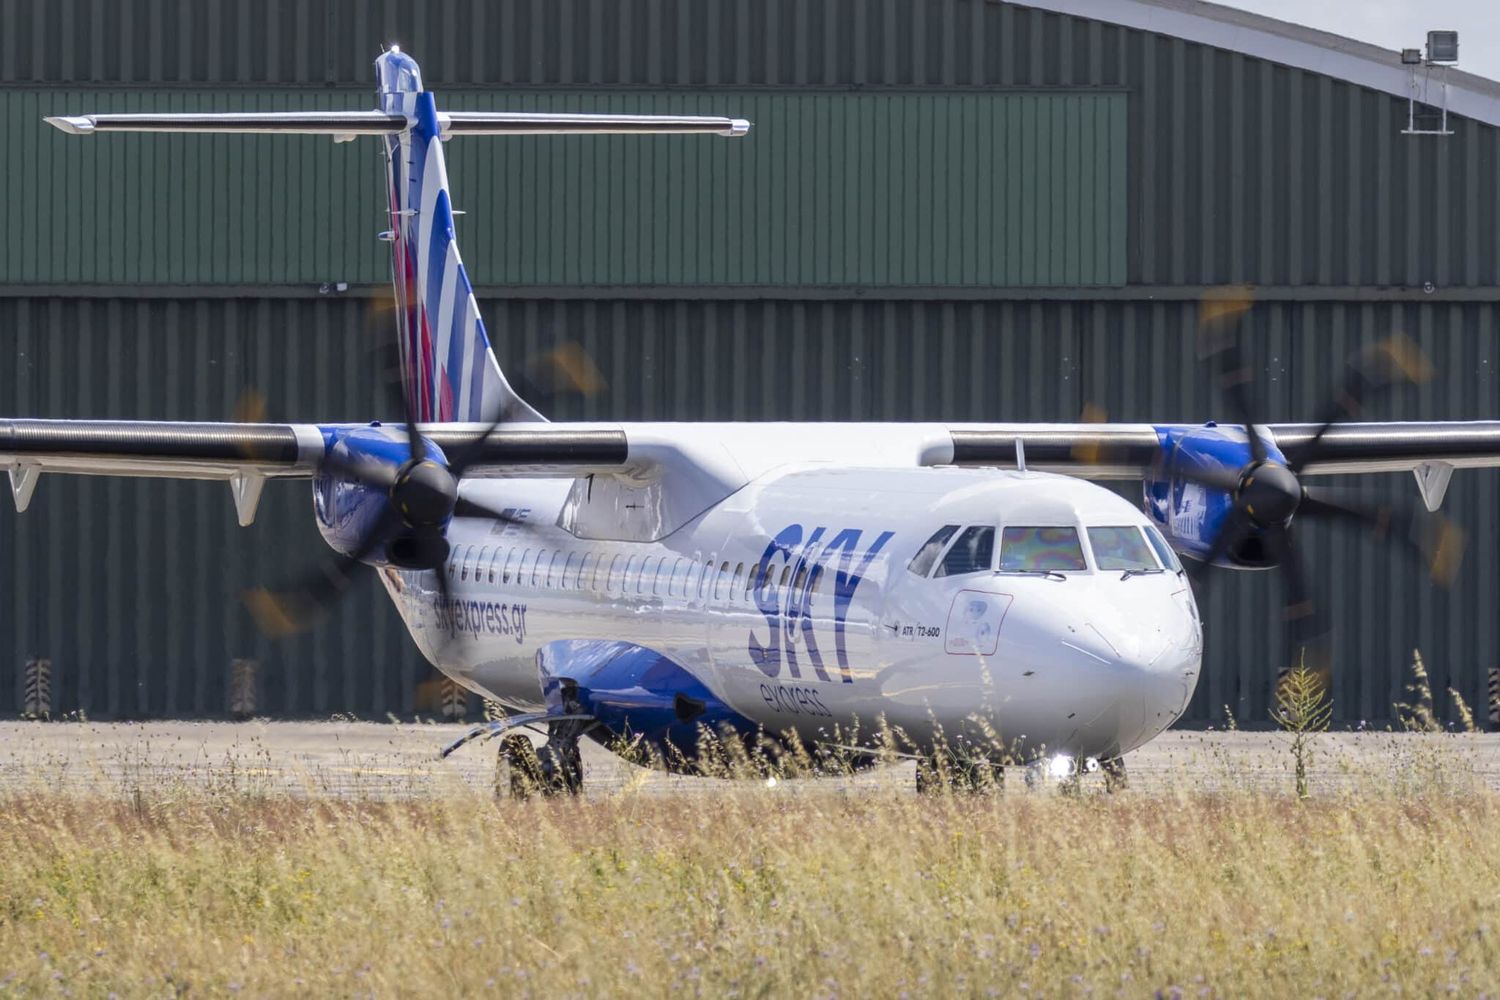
x: 1040, y: 550
x: 922, y: 563
x: 1121, y: 548
x: 974, y: 552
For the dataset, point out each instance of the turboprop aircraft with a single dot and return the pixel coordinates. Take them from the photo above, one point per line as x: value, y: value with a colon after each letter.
x: 826, y: 584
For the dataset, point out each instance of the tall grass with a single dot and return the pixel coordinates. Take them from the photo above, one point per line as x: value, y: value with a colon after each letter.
x: 752, y: 891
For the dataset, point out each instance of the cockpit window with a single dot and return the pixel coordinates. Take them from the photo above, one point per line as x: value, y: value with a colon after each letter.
x: 1040, y: 550
x: 1121, y: 548
x: 1163, y: 550
x: 921, y: 563
x: 973, y: 552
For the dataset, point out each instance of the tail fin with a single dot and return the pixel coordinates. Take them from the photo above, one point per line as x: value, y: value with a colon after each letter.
x: 449, y: 370
x: 450, y: 373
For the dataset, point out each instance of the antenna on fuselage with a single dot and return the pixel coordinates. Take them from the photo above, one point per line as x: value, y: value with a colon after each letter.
x: 1020, y: 455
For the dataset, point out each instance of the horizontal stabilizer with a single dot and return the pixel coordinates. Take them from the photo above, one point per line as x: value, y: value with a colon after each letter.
x: 304, y: 122
x: 530, y: 123
x: 351, y: 123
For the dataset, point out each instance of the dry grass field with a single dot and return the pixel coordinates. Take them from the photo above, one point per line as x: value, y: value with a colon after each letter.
x: 803, y: 890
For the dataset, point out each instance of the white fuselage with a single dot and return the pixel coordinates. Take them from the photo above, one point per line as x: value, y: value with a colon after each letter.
x: 830, y: 633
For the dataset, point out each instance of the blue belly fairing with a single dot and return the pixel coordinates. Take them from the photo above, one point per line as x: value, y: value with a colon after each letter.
x: 640, y: 694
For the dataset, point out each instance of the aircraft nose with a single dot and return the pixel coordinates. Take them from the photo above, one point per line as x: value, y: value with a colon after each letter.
x: 1146, y: 655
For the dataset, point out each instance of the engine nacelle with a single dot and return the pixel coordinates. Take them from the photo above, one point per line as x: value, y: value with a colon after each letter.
x: 1191, y: 514
x: 347, y: 509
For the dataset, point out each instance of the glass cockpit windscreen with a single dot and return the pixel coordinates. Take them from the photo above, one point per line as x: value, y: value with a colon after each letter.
x: 1121, y: 548
x: 1040, y: 550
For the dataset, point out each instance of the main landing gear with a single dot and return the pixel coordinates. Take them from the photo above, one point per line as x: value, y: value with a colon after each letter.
x: 554, y: 768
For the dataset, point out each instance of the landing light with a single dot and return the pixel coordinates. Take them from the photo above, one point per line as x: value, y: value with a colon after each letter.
x: 1062, y: 766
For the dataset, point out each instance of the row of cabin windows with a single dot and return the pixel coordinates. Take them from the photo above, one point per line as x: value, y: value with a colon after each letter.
x: 615, y: 573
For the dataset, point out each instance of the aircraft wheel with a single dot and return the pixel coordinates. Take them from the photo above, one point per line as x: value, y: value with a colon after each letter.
x: 941, y: 772
x: 1115, y: 779
x: 562, y: 767
x: 520, y: 769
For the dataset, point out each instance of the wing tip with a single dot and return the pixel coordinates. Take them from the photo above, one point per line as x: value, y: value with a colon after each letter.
x: 71, y: 124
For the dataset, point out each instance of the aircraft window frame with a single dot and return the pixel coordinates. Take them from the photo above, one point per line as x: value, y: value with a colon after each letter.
x: 694, y: 574
x: 612, y: 578
x: 734, y: 582
x: 521, y: 567
x: 505, y: 569
x: 1163, y: 549
x: 585, y: 571
x: 1078, y: 539
x: 719, y: 579
x: 932, y: 551
x: 494, y: 561
x: 1153, y: 559
x: 567, y: 568
x: 640, y: 584
x: 786, y: 573
x: 551, y: 565
x: 980, y: 530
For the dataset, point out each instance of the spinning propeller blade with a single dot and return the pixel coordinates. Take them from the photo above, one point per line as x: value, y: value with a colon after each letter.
x: 1268, y: 495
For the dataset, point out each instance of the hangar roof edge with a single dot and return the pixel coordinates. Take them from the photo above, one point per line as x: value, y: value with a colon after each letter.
x: 1282, y: 42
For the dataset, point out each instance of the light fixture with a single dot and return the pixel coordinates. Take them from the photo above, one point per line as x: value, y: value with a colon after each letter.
x: 1442, y: 46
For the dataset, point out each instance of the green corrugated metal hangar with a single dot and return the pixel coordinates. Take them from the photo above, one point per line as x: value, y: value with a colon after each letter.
x: 948, y: 210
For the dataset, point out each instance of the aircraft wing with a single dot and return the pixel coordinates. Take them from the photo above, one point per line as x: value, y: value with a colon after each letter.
x: 1129, y: 451
x: 1431, y: 450
x: 245, y: 455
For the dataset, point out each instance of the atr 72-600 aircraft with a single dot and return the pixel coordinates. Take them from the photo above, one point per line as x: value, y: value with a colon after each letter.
x: 770, y: 583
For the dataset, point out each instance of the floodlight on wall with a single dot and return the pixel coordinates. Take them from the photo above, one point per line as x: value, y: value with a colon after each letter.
x: 1442, y: 52
x: 1442, y: 47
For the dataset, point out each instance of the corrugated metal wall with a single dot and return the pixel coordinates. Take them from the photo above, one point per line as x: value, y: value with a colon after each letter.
x: 131, y: 586
x: 1235, y: 170
x: 1240, y: 170
x: 834, y: 189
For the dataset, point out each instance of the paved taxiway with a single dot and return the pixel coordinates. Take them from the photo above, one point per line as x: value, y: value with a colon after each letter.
x: 353, y: 759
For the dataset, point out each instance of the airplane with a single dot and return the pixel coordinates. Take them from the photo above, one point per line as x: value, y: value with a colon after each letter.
x: 662, y: 586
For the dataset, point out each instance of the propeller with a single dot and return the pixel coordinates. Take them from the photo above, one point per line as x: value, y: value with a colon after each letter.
x: 1268, y: 495
x: 422, y: 496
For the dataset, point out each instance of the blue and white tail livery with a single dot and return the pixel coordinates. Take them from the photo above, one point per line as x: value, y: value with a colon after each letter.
x: 771, y: 583
x: 450, y: 372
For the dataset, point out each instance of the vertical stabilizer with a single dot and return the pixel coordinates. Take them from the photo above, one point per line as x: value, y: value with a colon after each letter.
x: 448, y: 369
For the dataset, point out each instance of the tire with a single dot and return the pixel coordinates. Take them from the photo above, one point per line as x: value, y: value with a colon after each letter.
x: 519, y: 771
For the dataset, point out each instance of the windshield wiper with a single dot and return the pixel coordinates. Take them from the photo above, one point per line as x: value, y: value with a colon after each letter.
x: 1140, y: 572
x: 1047, y: 574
